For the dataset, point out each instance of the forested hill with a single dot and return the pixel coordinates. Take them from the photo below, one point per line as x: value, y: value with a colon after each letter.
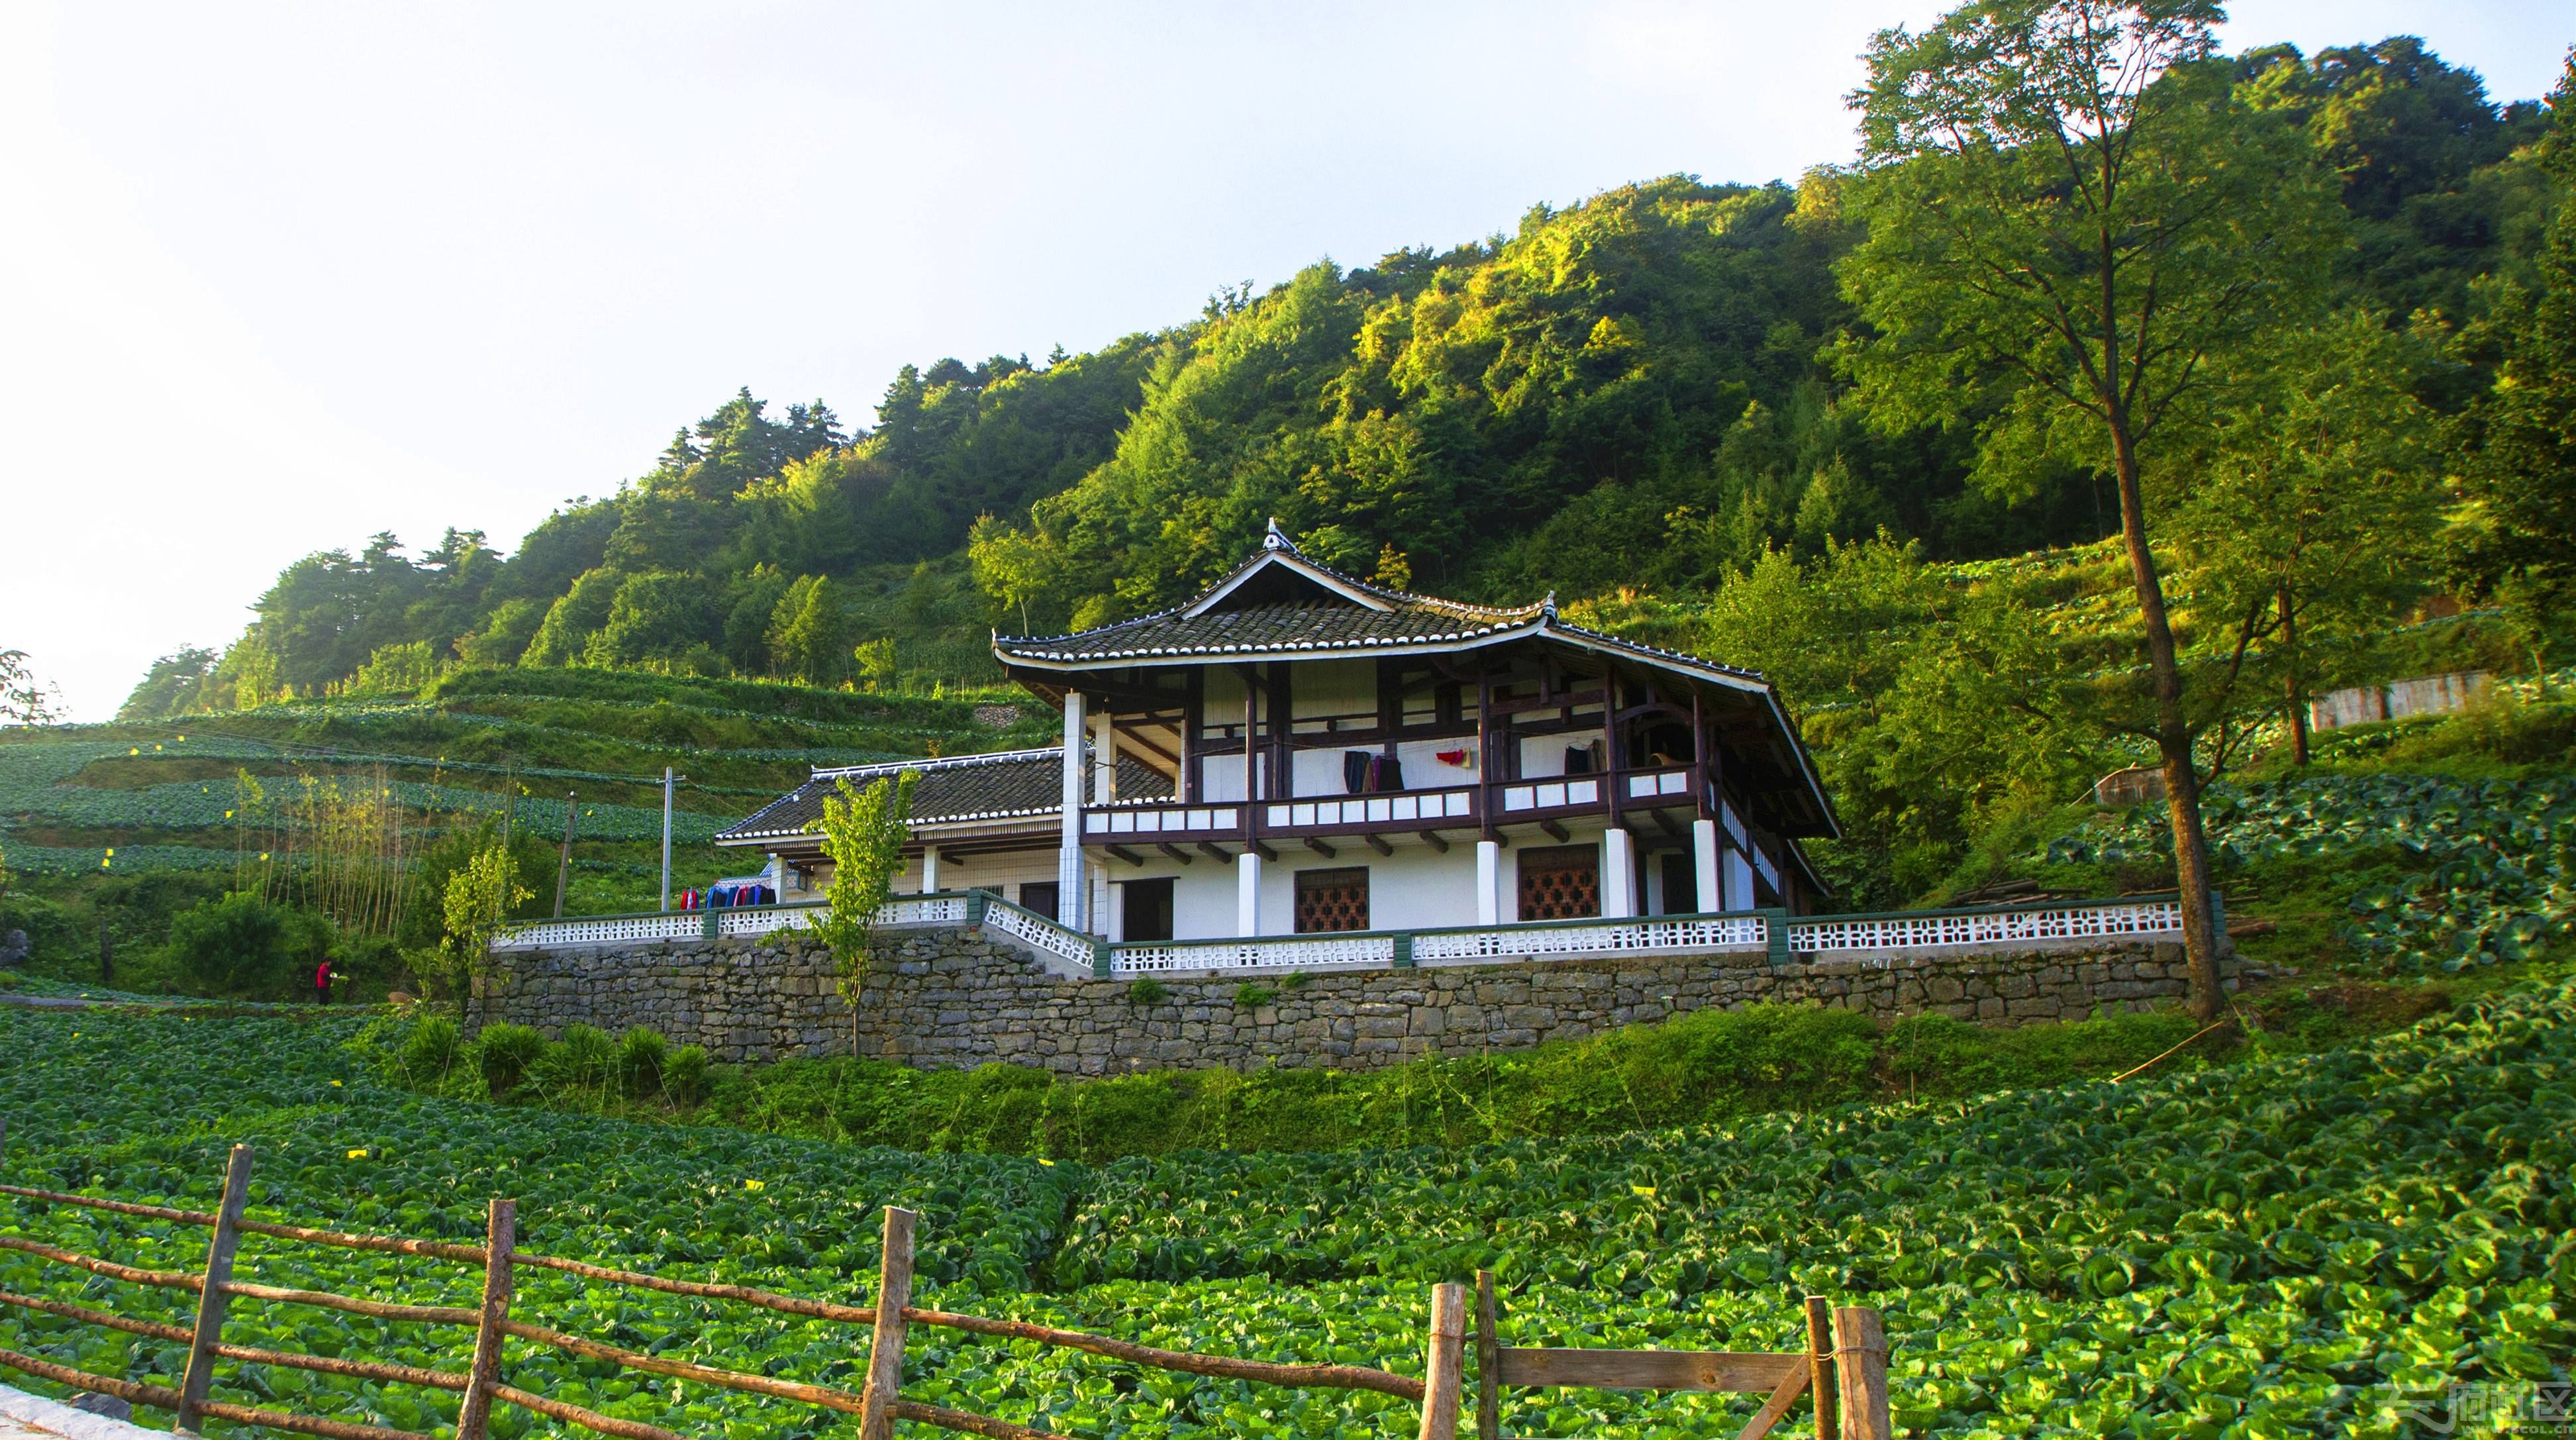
x: 1638, y: 391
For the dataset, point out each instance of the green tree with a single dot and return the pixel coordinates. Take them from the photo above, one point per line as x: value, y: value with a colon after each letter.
x: 809, y: 631
x: 479, y: 900
x: 25, y: 700
x: 863, y: 836
x: 173, y: 686
x: 504, y: 635
x: 573, y: 619
x: 2523, y: 474
x: 403, y: 668
x: 2069, y: 219
x: 2315, y: 510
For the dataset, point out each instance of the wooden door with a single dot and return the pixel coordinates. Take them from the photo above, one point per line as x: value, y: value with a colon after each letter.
x: 1560, y: 882
x: 1329, y: 900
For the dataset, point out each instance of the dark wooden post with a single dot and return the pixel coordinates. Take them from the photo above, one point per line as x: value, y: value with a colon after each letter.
x: 1820, y: 1366
x: 1860, y: 1360
x: 1485, y: 760
x: 1440, y: 1369
x: 1489, y: 1362
x: 885, y: 1351
x: 211, y: 1301
x: 500, y: 1237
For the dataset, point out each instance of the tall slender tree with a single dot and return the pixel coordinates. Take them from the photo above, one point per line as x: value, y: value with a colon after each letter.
x: 2069, y: 217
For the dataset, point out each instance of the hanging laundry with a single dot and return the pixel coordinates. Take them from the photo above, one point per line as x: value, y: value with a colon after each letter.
x: 1355, y: 771
x: 1458, y: 758
x: 1390, y: 773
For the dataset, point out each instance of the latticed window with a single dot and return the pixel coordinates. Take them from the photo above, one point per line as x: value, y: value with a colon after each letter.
x: 1560, y: 882
x: 1332, y: 900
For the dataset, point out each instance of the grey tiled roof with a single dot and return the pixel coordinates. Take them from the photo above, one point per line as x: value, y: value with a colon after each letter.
x: 952, y: 790
x: 1273, y: 629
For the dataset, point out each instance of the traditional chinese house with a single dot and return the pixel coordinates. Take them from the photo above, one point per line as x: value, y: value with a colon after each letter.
x: 1299, y: 751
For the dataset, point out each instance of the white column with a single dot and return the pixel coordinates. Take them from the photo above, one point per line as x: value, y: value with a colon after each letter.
x: 1071, y: 887
x: 1117, y: 911
x: 1104, y: 759
x: 1618, y: 874
x: 1704, y: 853
x: 1247, y: 894
x: 1489, y: 882
x: 1739, y: 881
x: 929, y: 869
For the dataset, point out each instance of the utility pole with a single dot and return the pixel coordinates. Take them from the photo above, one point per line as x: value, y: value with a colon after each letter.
x: 666, y: 839
x: 563, y: 868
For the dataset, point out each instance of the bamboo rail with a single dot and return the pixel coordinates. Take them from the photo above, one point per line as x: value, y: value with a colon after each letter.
x: 1846, y: 1360
x: 1266, y: 1372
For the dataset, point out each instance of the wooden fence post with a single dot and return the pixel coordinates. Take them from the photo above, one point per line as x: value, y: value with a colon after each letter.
x: 500, y: 1238
x: 211, y: 1301
x: 885, y: 1350
x: 1860, y: 1357
x: 1820, y: 1367
x: 1489, y: 1362
x: 1440, y: 1371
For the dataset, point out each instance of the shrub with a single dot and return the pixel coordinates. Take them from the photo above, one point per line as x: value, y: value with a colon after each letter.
x: 430, y: 1051
x: 687, y: 1076
x: 508, y: 1052
x: 56, y: 943
x: 584, y: 1059
x: 642, y: 1055
x: 1148, y: 991
x: 243, y: 945
x: 1248, y: 996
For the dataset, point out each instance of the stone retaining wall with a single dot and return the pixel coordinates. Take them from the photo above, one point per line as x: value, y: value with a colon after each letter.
x: 952, y: 997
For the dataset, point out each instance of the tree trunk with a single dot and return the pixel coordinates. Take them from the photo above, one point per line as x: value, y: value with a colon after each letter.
x: 2173, y: 736
x: 2298, y: 682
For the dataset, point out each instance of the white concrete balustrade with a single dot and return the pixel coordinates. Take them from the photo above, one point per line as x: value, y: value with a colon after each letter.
x: 1071, y: 951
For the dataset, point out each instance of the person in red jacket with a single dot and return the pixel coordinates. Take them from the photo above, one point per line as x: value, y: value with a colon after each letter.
x: 322, y: 982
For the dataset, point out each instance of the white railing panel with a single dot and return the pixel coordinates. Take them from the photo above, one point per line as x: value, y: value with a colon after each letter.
x: 1610, y: 937
x: 605, y: 930
x: 1280, y: 954
x: 1988, y: 927
x: 1072, y: 946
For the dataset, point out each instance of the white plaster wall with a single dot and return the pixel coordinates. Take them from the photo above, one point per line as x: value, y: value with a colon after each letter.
x: 1424, y: 772
x: 1332, y: 687
x: 1317, y: 772
x: 1416, y: 888
x: 1543, y: 756
x: 1225, y: 776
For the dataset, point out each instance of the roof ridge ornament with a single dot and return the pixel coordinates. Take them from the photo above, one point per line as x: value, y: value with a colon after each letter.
x: 1277, y: 539
x: 1547, y: 609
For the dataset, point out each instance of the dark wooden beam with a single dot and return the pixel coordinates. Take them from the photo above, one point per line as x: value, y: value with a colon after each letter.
x: 1381, y: 847
x: 1215, y: 851
x: 1436, y: 841
x: 1123, y: 853
x: 1664, y: 821
x: 1260, y: 849
x: 1558, y: 832
x: 1137, y: 738
x: 1320, y: 848
x: 1563, y: 700
x: 1175, y: 851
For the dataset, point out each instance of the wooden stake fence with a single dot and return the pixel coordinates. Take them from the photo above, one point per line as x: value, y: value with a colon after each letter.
x: 1853, y: 1364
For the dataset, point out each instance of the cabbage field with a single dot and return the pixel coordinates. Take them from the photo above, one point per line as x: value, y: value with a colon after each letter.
x: 2492, y: 863
x: 2291, y: 1246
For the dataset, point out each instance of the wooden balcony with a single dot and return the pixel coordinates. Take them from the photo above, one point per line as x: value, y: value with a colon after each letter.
x: 1448, y: 807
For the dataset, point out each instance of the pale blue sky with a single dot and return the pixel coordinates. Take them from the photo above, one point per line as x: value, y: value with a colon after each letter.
x: 274, y: 277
